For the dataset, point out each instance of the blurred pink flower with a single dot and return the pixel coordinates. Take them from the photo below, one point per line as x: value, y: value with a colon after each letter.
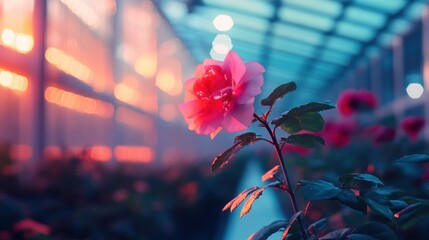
x: 120, y: 195
x: 140, y: 186
x: 35, y: 227
x: 412, y: 126
x: 381, y: 134
x: 221, y: 95
x: 338, y: 134
x: 351, y: 101
x: 302, y: 151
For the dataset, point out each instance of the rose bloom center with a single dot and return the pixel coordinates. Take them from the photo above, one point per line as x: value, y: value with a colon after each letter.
x: 214, y: 85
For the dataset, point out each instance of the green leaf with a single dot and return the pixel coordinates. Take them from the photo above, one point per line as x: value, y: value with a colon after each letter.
x: 222, y: 159
x: 235, y: 202
x: 348, y: 198
x: 414, y: 158
x: 312, y: 107
x: 317, y: 226
x: 351, y: 179
x: 267, y: 231
x: 279, y: 92
x: 292, y: 219
x: 397, y: 205
x: 270, y: 174
x: 379, y: 209
x: 311, y: 121
x: 240, y: 141
x: 408, y: 210
x: 337, y: 234
x: 318, y: 190
x: 246, y: 138
x: 359, y: 236
x: 304, y: 140
x: 374, y: 230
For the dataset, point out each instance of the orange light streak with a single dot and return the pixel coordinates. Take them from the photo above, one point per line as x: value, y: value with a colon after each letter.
x: 68, y: 64
x: 78, y: 103
x: 13, y: 81
x: 100, y: 153
x: 136, y: 154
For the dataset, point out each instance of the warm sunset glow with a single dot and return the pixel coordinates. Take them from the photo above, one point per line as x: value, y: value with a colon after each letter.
x: 134, y: 154
x: 68, y: 64
x: 78, y: 103
x: 100, y: 153
x: 13, y: 81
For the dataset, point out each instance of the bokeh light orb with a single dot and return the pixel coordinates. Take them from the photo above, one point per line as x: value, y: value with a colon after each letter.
x: 415, y: 90
x: 223, y: 22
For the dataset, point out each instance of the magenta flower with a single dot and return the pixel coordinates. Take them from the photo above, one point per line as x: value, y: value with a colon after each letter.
x: 381, y: 134
x: 221, y: 95
x: 412, y: 126
x: 352, y: 101
x: 338, y: 134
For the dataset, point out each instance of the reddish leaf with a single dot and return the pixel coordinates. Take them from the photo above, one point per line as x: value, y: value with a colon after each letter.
x: 255, y: 195
x: 235, y: 202
x: 270, y: 174
x: 292, y: 219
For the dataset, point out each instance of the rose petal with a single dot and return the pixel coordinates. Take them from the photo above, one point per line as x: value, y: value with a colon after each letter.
x: 250, y: 84
x: 238, y: 118
x: 203, y: 116
x: 234, y: 67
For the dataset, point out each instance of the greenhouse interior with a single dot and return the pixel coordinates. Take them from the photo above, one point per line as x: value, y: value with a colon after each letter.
x: 214, y: 119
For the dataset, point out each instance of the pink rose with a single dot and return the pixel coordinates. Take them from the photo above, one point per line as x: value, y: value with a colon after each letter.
x: 351, y: 101
x: 221, y: 95
x: 412, y: 126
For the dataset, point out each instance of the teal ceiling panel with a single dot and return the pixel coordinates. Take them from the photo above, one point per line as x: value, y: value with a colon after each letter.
x: 305, y: 18
x: 367, y: 17
x: 415, y: 11
x: 331, y: 8
x: 255, y: 7
x: 285, y: 45
x: 342, y: 44
x: 240, y: 19
x: 355, y: 31
x: 297, y: 33
x: 399, y: 26
x: 387, y: 6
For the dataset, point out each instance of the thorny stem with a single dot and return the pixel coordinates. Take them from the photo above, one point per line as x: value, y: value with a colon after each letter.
x: 286, y: 176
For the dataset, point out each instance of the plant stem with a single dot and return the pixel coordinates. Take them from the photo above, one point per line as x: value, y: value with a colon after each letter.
x: 286, y: 176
